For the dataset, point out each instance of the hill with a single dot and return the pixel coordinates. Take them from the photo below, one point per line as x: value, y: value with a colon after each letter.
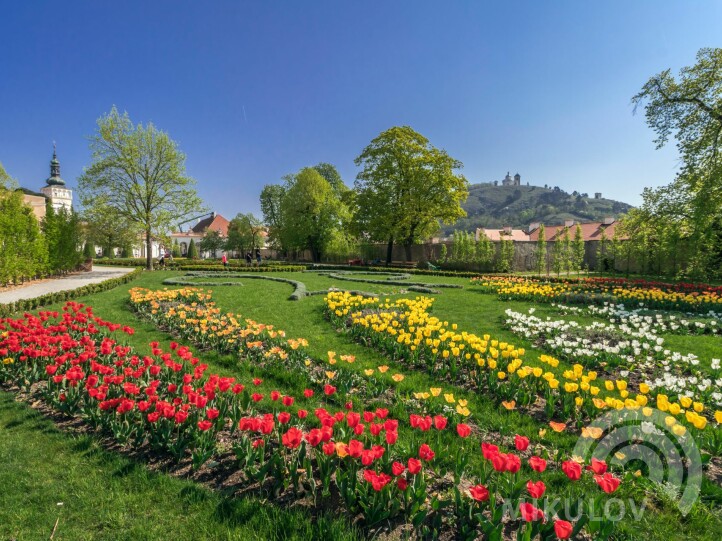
x: 518, y: 206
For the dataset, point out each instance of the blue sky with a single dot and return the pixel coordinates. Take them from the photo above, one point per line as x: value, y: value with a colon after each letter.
x: 255, y: 90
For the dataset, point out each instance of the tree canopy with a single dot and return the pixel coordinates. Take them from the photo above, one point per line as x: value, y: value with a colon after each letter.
x: 406, y: 187
x: 244, y: 233
x: 109, y: 229
x: 312, y: 213
x: 689, y: 108
x: 138, y: 171
x: 271, y: 197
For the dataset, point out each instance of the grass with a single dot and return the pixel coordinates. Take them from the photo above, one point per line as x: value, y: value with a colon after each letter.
x: 49, y: 475
x: 108, y: 496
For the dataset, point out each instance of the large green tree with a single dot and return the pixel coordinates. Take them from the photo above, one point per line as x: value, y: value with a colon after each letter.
x: 405, y: 188
x: 245, y: 232
x: 312, y: 214
x: 689, y: 109
x: 140, y: 172
x: 211, y: 242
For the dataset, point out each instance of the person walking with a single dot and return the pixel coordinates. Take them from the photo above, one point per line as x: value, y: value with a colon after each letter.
x: 258, y: 256
x: 248, y: 259
x: 224, y: 260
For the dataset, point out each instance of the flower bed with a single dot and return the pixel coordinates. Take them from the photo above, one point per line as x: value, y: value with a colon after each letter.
x: 600, y: 291
x: 167, y: 401
x: 406, y: 330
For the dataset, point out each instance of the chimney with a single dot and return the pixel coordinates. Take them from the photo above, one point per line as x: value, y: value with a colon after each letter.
x: 507, y: 230
x: 534, y: 226
x: 213, y: 214
x: 568, y: 223
x: 609, y: 220
x: 597, y: 195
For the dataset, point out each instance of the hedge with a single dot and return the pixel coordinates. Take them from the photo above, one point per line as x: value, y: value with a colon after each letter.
x: 299, y: 288
x: 200, y: 264
x: 426, y: 272
x: 62, y: 296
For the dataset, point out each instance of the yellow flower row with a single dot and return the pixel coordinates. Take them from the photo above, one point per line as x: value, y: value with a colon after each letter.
x: 410, y: 325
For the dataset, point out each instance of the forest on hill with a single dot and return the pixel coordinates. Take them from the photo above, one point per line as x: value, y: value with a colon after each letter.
x: 518, y: 206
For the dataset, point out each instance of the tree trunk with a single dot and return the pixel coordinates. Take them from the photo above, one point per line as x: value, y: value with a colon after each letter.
x: 407, y: 251
x: 389, y: 251
x: 148, y: 250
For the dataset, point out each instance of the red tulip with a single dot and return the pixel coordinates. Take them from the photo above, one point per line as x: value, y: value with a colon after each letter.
x: 391, y: 437
x: 489, y: 450
x: 521, y: 443
x: 308, y: 393
x: 572, y: 469
x: 397, y: 468
x: 329, y: 389
x: 440, y: 422
x: 204, y: 425
x: 425, y: 452
x: 563, y: 529
x: 537, y: 463
x: 599, y: 467
x: 498, y: 462
x: 463, y: 430
x: 530, y: 513
x: 284, y: 417
x: 414, y: 466
x: 329, y: 448
x: 479, y: 492
x: 355, y: 448
x: 313, y: 437
x: 292, y: 438
x: 536, y: 490
x: 607, y: 482
x: 287, y: 401
x: 275, y: 395
x: 367, y: 457
x: 352, y: 419
x: 513, y: 463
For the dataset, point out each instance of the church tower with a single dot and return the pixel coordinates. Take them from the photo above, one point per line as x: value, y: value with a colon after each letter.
x: 54, y: 189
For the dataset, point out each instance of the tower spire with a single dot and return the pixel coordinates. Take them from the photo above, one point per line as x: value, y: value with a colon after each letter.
x: 54, y: 179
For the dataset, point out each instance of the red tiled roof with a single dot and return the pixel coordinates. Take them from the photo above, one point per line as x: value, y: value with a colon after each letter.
x: 215, y: 223
x: 499, y: 234
x: 590, y: 231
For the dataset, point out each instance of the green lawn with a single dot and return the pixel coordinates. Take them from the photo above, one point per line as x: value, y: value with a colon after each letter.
x: 108, y: 496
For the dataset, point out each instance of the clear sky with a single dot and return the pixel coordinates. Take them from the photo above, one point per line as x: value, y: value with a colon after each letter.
x: 255, y: 90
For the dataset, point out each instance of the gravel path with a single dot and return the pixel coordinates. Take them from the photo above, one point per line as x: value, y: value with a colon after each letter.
x: 72, y: 281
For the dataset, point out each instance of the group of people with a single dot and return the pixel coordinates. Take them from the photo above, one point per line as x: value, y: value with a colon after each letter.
x: 163, y: 256
x: 249, y: 258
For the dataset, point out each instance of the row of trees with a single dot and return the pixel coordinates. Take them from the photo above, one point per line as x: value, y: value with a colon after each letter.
x: 29, y: 249
x: 566, y: 256
x: 405, y: 188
